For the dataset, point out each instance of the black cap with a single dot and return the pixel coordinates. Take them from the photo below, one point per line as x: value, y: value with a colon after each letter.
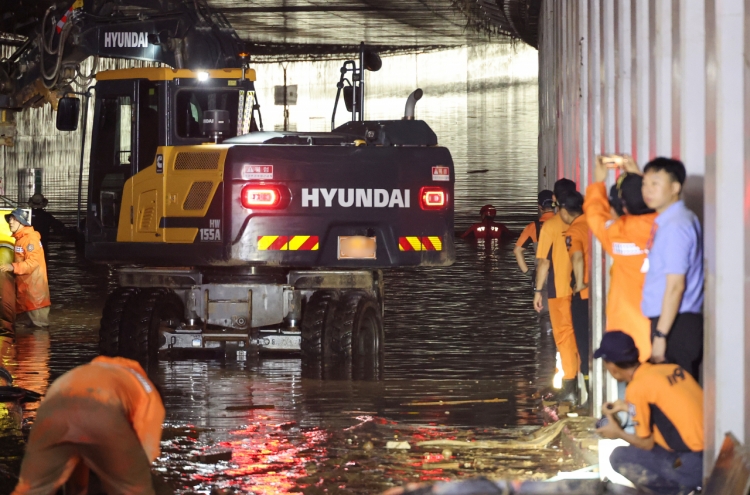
x: 545, y: 198
x: 631, y: 195
x: 617, y: 347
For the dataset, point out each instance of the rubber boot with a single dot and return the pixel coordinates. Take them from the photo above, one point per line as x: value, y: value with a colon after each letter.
x: 569, y: 392
x: 585, y: 394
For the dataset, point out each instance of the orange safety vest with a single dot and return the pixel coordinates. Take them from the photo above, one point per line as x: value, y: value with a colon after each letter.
x: 30, y: 269
x: 625, y: 240
x: 121, y: 383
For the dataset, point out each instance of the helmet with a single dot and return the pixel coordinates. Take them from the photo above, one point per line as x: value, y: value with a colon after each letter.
x: 38, y: 201
x: 488, y: 211
x: 21, y: 215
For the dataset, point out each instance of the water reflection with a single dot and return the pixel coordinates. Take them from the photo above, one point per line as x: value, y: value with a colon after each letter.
x: 463, y: 334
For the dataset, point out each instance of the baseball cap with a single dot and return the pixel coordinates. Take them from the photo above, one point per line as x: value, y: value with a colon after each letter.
x: 617, y: 347
x: 545, y: 198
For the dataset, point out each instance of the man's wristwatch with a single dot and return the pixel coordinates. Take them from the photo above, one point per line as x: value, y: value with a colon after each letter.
x: 656, y: 333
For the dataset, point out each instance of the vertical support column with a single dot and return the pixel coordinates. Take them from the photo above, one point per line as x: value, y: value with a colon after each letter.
x: 624, y: 95
x: 583, y: 80
x: 663, y: 77
x: 692, y: 123
x: 598, y: 373
x: 642, y: 60
x: 726, y: 183
x: 562, y: 22
x: 609, y: 117
x: 609, y: 111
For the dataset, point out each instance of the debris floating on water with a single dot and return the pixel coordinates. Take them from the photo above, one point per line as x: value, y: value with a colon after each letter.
x: 455, y: 402
x: 398, y: 445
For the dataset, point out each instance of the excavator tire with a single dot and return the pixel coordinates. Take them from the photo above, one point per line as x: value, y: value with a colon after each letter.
x: 109, y: 328
x: 145, y: 314
x: 358, y: 326
x: 317, y: 324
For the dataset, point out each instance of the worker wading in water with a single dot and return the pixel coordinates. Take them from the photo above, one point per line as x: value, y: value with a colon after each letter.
x: 30, y: 269
x: 105, y: 416
x: 487, y: 228
x: 43, y: 221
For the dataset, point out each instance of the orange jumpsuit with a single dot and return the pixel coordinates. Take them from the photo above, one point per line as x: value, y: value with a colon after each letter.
x: 625, y: 241
x: 552, y: 246
x: 30, y: 270
x: 105, y: 416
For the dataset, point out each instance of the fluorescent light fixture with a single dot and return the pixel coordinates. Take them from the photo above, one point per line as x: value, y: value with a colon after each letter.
x: 202, y: 76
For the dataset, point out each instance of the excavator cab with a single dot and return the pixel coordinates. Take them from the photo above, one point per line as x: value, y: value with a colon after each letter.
x: 137, y: 113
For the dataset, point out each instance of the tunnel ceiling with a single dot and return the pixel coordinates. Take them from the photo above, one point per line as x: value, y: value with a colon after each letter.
x: 320, y: 27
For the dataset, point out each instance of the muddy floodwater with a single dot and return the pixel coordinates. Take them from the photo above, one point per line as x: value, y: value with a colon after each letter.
x: 464, y: 335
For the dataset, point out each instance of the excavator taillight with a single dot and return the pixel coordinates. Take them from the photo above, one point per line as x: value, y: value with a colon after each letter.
x: 432, y: 198
x: 261, y: 197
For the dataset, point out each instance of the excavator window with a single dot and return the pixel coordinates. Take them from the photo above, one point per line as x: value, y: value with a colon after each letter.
x: 191, y: 103
x: 112, y: 155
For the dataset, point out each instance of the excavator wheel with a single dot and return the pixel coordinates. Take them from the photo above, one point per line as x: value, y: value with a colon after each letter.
x: 112, y: 316
x: 358, y: 326
x: 145, y: 314
x: 317, y: 324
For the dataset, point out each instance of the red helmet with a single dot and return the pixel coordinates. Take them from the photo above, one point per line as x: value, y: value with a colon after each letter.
x: 488, y: 211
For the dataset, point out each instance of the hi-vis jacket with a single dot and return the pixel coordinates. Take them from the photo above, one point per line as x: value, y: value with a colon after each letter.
x: 121, y: 383
x: 30, y: 269
x: 625, y: 240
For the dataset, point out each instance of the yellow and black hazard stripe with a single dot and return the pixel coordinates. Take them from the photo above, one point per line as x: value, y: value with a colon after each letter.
x: 288, y: 243
x: 425, y: 243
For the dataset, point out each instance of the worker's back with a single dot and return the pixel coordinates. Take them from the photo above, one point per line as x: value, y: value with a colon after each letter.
x: 117, y: 382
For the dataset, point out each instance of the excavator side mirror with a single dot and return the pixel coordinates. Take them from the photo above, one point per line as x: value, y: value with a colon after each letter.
x: 372, y: 61
x: 349, y: 97
x: 68, y: 110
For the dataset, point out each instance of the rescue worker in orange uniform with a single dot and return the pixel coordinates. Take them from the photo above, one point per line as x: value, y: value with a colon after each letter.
x: 625, y: 240
x: 577, y: 242
x: 30, y: 269
x: 104, y: 416
x: 554, y: 269
x: 487, y: 228
x: 529, y: 238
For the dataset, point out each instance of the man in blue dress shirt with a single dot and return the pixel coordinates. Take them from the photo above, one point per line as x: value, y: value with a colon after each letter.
x: 673, y: 291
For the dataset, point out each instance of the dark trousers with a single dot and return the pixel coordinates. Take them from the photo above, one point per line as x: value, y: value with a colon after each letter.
x: 658, y: 470
x: 580, y: 311
x: 685, y: 342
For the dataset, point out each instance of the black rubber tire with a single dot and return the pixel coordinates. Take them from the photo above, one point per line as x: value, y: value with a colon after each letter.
x: 139, y: 334
x: 317, y: 324
x: 358, y: 326
x: 109, y: 327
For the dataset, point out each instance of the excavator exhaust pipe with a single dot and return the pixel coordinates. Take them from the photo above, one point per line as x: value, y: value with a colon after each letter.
x: 411, y: 103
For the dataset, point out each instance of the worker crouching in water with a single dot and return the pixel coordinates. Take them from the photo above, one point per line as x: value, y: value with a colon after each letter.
x: 665, y: 404
x: 30, y: 269
x: 105, y: 416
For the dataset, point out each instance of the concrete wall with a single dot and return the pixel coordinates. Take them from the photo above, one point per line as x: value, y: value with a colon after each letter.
x: 663, y: 78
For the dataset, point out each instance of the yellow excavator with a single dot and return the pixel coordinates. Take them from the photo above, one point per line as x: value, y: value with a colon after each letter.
x: 235, y: 240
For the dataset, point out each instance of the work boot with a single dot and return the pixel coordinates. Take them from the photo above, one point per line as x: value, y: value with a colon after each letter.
x: 569, y: 392
x: 585, y: 393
